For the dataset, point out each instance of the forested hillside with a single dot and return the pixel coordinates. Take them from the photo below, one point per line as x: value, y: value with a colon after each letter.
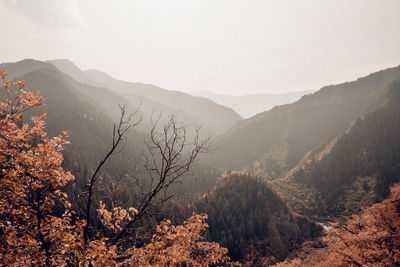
x: 213, y: 117
x: 367, y: 239
x: 337, y: 151
x: 273, y: 142
x: 252, y: 221
x: 356, y: 170
x: 89, y: 113
x: 199, y: 133
x: 70, y: 108
x: 50, y: 217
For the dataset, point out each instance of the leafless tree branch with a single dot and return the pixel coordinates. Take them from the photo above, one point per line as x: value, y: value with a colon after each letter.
x: 170, y: 156
x: 119, y: 131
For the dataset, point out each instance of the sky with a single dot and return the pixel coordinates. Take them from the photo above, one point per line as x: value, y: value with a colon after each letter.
x: 231, y: 47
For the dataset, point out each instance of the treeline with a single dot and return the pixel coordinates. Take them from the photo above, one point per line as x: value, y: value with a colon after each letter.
x: 357, y: 171
x: 91, y: 126
x: 252, y: 221
x: 39, y: 227
x: 369, y: 239
x: 271, y: 143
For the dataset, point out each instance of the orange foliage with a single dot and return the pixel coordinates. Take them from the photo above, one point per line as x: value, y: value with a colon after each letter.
x: 32, y: 233
x: 3, y: 74
x: 37, y: 226
x: 369, y: 239
x: 179, y: 246
x: 30, y: 175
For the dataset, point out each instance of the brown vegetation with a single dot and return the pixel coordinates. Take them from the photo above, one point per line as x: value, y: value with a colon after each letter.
x: 37, y: 225
x: 369, y: 239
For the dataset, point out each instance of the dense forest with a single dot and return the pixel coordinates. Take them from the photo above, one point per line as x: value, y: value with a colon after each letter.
x: 368, y: 239
x: 91, y: 177
x: 39, y: 225
x: 255, y: 224
x: 357, y: 170
x: 273, y: 142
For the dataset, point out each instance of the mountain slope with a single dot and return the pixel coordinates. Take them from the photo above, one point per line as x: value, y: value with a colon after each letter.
x: 273, y: 142
x: 104, y: 99
x: 252, y: 104
x: 353, y: 172
x: 203, y: 111
x: 190, y: 109
x: 70, y: 106
x: 73, y: 71
x: 89, y: 113
x: 255, y: 225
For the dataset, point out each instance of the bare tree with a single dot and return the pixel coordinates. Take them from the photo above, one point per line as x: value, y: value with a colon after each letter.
x: 119, y: 131
x: 170, y: 156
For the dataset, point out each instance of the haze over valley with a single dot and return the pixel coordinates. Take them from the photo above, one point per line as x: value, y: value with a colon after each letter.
x: 250, y: 105
x: 223, y: 133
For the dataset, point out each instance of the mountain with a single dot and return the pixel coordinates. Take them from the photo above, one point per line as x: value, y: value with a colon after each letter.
x: 89, y: 113
x: 104, y: 99
x: 329, y: 154
x: 273, y: 142
x: 353, y: 171
x: 370, y: 238
x: 86, y: 111
x: 255, y: 225
x: 252, y: 104
x: 215, y: 118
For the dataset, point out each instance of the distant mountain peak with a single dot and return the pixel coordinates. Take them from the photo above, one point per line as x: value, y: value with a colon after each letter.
x: 252, y: 104
x: 71, y: 69
x: 215, y: 118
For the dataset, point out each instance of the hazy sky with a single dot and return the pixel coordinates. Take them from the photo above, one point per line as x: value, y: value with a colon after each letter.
x: 225, y: 46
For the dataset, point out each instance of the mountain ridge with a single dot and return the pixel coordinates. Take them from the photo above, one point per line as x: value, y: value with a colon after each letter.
x: 271, y: 143
x: 355, y: 170
x: 214, y: 117
x: 251, y: 104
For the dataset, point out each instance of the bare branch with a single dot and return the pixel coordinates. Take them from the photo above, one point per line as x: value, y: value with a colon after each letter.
x: 170, y: 156
x: 119, y: 132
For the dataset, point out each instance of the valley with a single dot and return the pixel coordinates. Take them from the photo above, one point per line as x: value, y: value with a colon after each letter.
x: 278, y: 176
